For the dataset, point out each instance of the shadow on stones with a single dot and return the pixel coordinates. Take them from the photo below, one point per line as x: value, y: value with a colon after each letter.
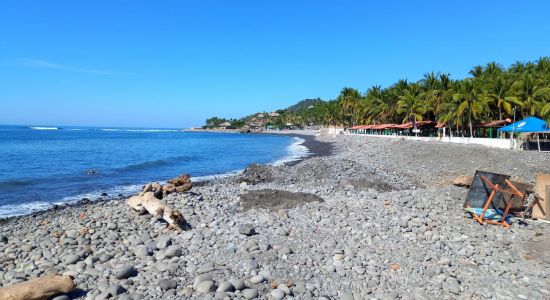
x: 77, y: 293
x: 364, y: 184
x: 276, y: 199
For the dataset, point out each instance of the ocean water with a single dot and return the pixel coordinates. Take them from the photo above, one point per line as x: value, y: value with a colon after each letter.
x: 44, y: 166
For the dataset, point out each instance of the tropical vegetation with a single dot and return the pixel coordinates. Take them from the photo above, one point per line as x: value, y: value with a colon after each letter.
x: 490, y: 92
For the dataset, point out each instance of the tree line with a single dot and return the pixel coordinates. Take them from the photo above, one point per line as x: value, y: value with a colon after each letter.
x: 491, y: 92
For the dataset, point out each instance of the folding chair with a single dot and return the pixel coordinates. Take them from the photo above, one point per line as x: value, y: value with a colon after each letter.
x: 510, y: 189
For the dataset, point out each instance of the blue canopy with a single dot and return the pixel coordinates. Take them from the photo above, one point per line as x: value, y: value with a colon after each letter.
x: 531, y: 124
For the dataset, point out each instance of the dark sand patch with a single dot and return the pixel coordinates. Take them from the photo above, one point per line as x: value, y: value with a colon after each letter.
x: 276, y: 199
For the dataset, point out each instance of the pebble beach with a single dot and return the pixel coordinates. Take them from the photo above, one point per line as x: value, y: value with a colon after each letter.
x: 361, y: 218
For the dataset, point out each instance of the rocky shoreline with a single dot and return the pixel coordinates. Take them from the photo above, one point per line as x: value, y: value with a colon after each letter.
x: 375, y: 219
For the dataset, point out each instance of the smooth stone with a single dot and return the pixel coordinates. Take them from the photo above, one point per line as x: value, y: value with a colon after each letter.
x: 257, y: 279
x: 247, y: 229
x: 115, y: 289
x: 237, y: 284
x: 71, y: 259
x: 124, y: 271
x: 112, y: 226
x: 277, y: 294
x: 125, y: 297
x: 141, y: 251
x: 225, y: 286
x: 205, y: 287
x: 201, y: 278
x: 283, y: 287
x: 250, y: 293
x: 166, y: 284
x: 163, y: 242
x: 173, y: 251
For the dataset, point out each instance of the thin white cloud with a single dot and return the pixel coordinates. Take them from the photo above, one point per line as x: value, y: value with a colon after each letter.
x: 51, y: 65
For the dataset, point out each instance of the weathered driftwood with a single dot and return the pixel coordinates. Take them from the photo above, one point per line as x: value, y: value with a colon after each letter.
x: 38, y: 288
x: 147, y: 203
x: 179, y: 184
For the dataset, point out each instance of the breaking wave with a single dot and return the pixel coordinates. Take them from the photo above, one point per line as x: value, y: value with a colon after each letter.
x: 43, y: 128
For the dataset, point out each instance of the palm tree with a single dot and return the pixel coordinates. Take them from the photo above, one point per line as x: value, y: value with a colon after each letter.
x: 349, y: 100
x: 476, y: 71
x: 412, y: 104
x: 471, y: 102
x: 438, y: 91
x: 532, y: 93
x: 500, y: 93
x: 450, y: 116
x: 493, y: 69
x: 546, y: 111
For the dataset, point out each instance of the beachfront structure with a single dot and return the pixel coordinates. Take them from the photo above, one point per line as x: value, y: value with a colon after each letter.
x: 430, y: 129
x: 224, y: 125
x: 531, y: 126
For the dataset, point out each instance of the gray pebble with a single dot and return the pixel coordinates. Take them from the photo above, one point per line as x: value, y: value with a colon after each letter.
x: 166, y: 284
x: 163, y: 242
x: 237, y: 284
x: 124, y: 271
x: 247, y: 229
x: 141, y: 251
x: 206, y: 287
x: 250, y: 293
x: 277, y: 294
x: 112, y: 226
x: 71, y: 259
x: 173, y: 251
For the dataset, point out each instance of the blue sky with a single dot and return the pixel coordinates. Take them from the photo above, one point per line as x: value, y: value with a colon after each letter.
x: 175, y: 63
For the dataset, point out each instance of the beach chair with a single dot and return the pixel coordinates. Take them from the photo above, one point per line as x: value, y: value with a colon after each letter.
x: 496, y: 216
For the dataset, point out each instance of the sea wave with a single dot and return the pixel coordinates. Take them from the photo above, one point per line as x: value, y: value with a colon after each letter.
x: 43, y: 128
x: 295, y: 151
x: 11, y: 210
x: 115, y: 192
x: 138, y: 130
x: 216, y: 176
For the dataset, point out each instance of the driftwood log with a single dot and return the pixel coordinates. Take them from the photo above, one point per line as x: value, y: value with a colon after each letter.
x: 38, y: 288
x: 179, y: 184
x: 148, y: 203
x: 149, y: 200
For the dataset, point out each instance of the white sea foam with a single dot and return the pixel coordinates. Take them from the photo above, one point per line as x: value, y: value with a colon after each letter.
x: 139, y: 130
x: 124, y: 190
x: 31, y: 207
x: 215, y: 176
x: 43, y: 128
x: 10, y: 210
x: 295, y: 151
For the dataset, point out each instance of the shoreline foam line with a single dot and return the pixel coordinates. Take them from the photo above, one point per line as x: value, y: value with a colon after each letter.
x: 295, y: 151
